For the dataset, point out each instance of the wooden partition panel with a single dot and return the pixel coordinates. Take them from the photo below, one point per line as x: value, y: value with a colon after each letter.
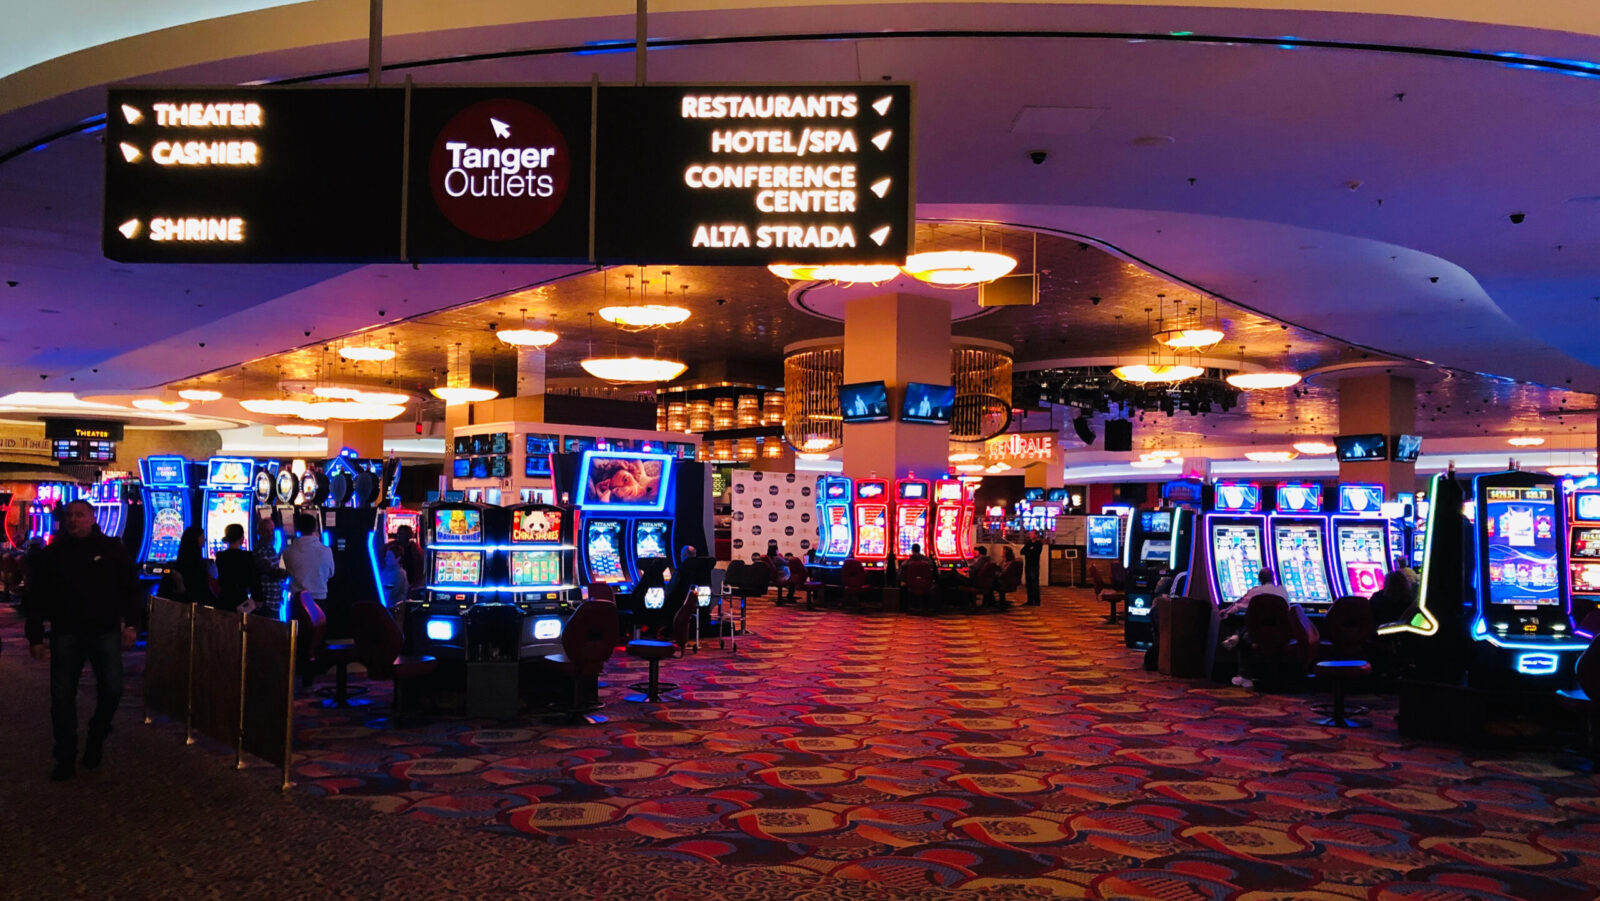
x: 217, y: 686
x: 168, y: 646
x: 269, y: 688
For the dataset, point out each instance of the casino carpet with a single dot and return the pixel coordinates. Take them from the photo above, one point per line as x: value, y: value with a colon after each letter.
x: 1025, y: 754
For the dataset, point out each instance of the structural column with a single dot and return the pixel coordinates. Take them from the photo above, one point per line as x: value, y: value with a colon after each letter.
x: 365, y: 438
x: 1379, y: 404
x: 896, y: 338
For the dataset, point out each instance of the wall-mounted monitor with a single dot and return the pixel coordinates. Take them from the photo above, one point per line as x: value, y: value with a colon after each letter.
x: 1586, y: 506
x: 1406, y: 448
x: 1361, y: 448
x: 1056, y: 496
x: 624, y: 480
x: 576, y: 444
x: 461, y: 468
x: 1104, y: 535
x: 1033, y: 494
x: 928, y: 403
x: 499, y: 466
x: 499, y: 443
x: 462, y: 445
x: 864, y: 402
x: 480, y: 467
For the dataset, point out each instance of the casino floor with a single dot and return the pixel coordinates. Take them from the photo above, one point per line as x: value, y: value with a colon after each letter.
x: 1016, y: 755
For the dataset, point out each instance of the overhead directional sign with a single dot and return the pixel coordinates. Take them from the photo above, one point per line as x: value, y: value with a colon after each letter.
x: 687, y: 174
x: 743, y: 174
x: 241, y: 174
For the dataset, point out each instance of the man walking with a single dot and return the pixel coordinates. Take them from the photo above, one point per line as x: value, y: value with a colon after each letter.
x: 1032, y: 550
x: 84, y: 584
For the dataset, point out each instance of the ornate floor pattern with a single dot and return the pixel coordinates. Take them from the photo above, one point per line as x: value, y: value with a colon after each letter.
x: 1026, y: 751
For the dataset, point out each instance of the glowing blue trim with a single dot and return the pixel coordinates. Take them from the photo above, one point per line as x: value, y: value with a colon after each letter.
x: 440, y: 629
x: 377, y: 573
x: 327, y: 539
x: 1556, y: 645
x: 1537, y: 664
x: 1127, y: 542
x: 662, y: 493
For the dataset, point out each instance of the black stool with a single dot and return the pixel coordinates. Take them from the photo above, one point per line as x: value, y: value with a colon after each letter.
x: 1339, y: 672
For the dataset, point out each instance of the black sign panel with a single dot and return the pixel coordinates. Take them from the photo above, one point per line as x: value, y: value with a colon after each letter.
x: 241, y: 174
x: 499, y: 173
x: 83, y: 429
x: 724, y: 174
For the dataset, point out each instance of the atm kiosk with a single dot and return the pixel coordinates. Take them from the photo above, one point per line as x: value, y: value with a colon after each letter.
x: 1583, y: 551
x: 535, y: 569
x: 1360, y: 541
x: 950, y: 511
x: 1231, y: 548
x: 227, y: 498
x: 1300, y: 546
x: 834, y: 495
x: 911, y: 499
x: 1157, y: 545
x: 871, y: 515
x: 456, y: 555
x: 168, y: 510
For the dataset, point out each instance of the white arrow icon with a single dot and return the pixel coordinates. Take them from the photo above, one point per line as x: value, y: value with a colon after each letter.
x: 132, y: 114
x: 882, y: 104
x: 880, y: 187
x: 880, y: 236
x: 501, y: 130
x: 129, y: 229
x: 881, y: 139
x: 130, y: 152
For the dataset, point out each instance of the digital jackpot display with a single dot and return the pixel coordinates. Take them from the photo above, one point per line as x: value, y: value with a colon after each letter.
x: 871, y: 531
x: 1301, y: 571
x: 1235, y: 558
x: 1361, y: 549
x: 1523, y: 556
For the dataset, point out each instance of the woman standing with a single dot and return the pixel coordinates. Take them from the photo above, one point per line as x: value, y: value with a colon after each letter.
x: 193, y: 569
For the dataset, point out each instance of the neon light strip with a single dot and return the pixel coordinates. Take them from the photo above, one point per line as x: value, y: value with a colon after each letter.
x: 1430, y: 623
x: 377, y: 576
x: 1127, y: 541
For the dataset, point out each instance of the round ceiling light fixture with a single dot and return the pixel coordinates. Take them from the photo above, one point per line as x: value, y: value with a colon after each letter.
x: 969, y: 478
x: 363, y: 353
x: 382, y: 397
x: 836, y: 272
x: 273, y: 406
x: 299, y: 430
x: 998, y: 467
x: 645, y: 315
x: 818, y: 444
x: 1270, y: 456
x: 1162, y: 455
x: 958, y: 268
x: 157, y: 405
x: 336, y: 392
x: 1144, y: 373
x: 969, y: 467
x: 1246, y: 381
x: 814, y: 457
x: 537, y: 338
x: 200, y: 395
x: 462, y: 394
x: 352, y: 410
x: 633, y: 370
x: 1525, y: 441
x: 963, y: 457
x: 1189, y: 338
x: 1314, y: 448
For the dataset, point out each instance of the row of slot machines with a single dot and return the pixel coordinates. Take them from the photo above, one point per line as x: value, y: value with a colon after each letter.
x: 860, y: 518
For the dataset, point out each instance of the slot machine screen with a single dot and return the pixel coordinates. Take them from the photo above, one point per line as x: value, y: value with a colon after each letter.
x: 1586, y: 543
x: 838, y: 531
x: 1360, y: 498
x: 702, y: 595
x: 655, y: 598
x: 1520, y: 542
x: 166, y: 525
x: 167, y: 471
x: 870, y: 532
x: 946, y: 532
x: 1156, y: 552
x: 1236, y: 559
x: 535, y: 526
x: 1585, y: 578
x: 624, y: 481
x: 871, y: 490
x: 1156, y: 522
x: 1299, y: 497
x: 229, y: 473
x: 650, y: 539
x: 393, y: 520
x: 1361, y: 554
x: 913, y: 491
x: 1104, y: 536
x: 1301, y: 570
x: 461, y: 468
x: 457, y: 526
x: 530, y: 568
x: 222, y: 509
x: 1587, y: 506
x: 602, y: 548
x: 457, y: 568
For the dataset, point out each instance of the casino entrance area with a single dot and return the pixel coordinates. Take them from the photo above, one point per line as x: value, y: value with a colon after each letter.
x: 833, y: 756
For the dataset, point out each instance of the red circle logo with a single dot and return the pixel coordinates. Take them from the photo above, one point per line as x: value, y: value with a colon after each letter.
x: 499, y: 170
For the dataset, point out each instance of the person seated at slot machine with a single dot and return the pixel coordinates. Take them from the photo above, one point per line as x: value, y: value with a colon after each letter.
x: 1395, y: 600
x: 797, y: 575
x: 190, y: 576
x: 918, y: 569
x: 983, y: 574
x: 1266, y: 583
x: 691, y: 572
x: 238, y: 586
x: 1403, y: 567
x: 404, y: 546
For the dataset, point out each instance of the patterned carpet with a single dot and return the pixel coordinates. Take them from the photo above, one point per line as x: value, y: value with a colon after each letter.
x: 1017, y: 755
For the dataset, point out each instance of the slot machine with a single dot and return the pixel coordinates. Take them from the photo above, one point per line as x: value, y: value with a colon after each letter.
x: 1583, y: 551
x: 47, y: 498
x: 948, y: 511
x: 1300, y: 545
x: 455, y: 551
x: 969, y: 520
x: 1231, y: 546
x: 911, y: 498
x: 618, y: 492
x: 652, y: 541
x: 168, y: 510
x: 228, y: 497
x: 871, y: 514
x: 539, y: 573
x: 395, y: 517
x: 834, y: 494
x: 1522, y: 632
x: 115, y: 503
x: 1360, y: 541
x: 1157, y: 546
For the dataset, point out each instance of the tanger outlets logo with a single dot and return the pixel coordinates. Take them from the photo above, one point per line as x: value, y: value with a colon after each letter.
x: 499, y: 170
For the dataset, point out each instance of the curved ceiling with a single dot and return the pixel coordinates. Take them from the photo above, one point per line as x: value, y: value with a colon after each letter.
x: 1355, y: 179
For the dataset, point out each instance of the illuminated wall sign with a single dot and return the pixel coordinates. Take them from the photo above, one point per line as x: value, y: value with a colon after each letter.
x: 1021, y: 447
x: 99, y: 429
x: 724, y: 174
x: 500, y: 173
x: 242, y: 174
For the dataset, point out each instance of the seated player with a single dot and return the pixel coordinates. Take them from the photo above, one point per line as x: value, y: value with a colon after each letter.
x: 918, y: 581
x: 1266, y: 583
x: 1236, y: 638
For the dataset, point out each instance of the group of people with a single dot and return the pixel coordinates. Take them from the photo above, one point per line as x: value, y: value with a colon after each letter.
x: 982, y: 577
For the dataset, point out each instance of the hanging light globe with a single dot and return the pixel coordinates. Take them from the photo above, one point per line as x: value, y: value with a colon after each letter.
x: 1189, y: 338
x: 1246, y: 381
x: 299, y: 429
x: 645, y: 315
x: 156, y: 405
x: 633, y: 370
x: 1314, y: 448
x: 200, y: 395
x: 1270, y: 456
x: 958, y: 268
x: 1143, y: 373
x: 529, y: 337
x: 462, y: 394
x: 835, y: 272
x: 366, y: 354
x: 273, y: 406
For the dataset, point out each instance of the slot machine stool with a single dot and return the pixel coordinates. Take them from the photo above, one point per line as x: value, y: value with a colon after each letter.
x: 1337, y: 715
x: 657, y: 651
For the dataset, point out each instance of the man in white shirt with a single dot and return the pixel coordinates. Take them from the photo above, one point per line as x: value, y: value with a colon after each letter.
x: 1266, y: 583
x: 308, y: 561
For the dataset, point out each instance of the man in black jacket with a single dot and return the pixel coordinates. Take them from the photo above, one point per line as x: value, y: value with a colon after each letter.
x: 84, y: 584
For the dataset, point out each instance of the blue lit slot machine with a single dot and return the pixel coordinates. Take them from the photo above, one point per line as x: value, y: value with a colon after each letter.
x: 1360, y: 540
x: 617, y: 492
x: 1300, y: 545
x: 168, y: 510
x: 836, y: 536
x: 228, y: 498
x: 540, y: 575
x: 911, y: 509
x: 1232, y: 543
x: 48, y: 496
x: 1522, y: 634
x: 456, y: 557
x: 871, y: 516
x: 1156, y: 546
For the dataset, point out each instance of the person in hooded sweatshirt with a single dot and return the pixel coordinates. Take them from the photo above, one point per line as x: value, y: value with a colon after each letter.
x: 84, y: 584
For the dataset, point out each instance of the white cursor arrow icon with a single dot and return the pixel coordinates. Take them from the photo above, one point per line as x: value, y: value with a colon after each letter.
x: 501, y: 130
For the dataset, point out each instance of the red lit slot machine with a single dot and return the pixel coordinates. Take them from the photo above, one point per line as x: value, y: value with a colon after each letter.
x: 1583, y: 551
x: 969, y: 515
x: 948, y: 517
x: 911, y: 509
x: 872, y: 521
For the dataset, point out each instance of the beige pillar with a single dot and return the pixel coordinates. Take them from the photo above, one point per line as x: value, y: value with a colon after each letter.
x: 365, y: 438
x: 896, y: 338
x: 1372, y: 404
